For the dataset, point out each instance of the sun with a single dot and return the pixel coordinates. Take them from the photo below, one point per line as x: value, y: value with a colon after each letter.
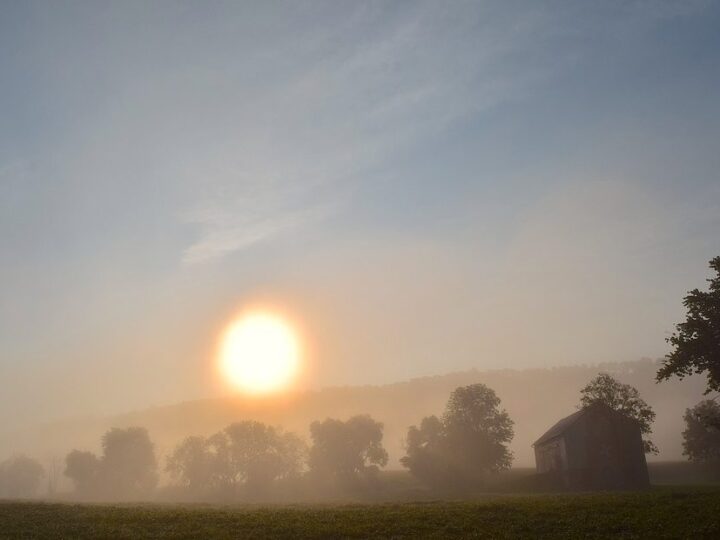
x: 259, y: 353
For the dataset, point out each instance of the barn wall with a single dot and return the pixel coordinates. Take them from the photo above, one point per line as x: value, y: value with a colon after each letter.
x: 551, y: 456
x: 601, y: 450
x: 634, y: 465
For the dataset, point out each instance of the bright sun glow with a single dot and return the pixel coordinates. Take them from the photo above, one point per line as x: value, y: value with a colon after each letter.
x: 259, y: 353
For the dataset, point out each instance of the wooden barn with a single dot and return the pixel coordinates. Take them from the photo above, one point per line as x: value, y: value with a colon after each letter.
x: 594, y: 448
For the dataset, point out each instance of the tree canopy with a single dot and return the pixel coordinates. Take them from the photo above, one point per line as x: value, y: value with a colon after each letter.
x: 701, y: 438
x: 696, y: 342
x: 192, y: 464
x: 247, y: 454
x: 624, y: 399
x: 469, y: 441
x: 343, y: 451
x: 129, y: 465
x: 83, y: 468
x: 20, y: 476
x: 256, y: 454
x: 126, y: 469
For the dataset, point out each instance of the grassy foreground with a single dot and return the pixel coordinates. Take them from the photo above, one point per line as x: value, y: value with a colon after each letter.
x: 661, y: 513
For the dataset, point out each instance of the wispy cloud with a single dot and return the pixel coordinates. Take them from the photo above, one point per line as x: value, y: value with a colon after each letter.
x: 365, y: 92
x: 223, y: 233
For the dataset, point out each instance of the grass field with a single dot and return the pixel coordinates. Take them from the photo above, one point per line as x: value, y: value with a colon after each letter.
x: 660, y: 513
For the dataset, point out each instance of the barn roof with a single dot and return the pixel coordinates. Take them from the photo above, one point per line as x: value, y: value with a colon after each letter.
x: 560, y: 427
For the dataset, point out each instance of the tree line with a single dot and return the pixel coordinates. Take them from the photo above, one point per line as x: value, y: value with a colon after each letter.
x: 462, y: 448
x: 459, y: 450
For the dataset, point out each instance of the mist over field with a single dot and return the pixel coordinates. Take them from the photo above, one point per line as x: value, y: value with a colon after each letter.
x: 535, y: 399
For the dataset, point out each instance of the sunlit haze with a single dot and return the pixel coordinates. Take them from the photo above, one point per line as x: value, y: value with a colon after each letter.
x: 446, y: 191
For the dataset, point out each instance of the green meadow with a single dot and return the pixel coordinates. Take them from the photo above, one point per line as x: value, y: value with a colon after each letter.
x: 670, y: 512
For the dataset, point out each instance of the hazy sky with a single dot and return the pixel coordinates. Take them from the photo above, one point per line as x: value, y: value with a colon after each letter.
x: 424, y: 187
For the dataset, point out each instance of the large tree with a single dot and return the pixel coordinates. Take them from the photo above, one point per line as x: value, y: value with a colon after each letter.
x: 83, y: 468
x: 701, y: 438
x: 467, y: 444
x: 624, y: 399
x: 345, y: 451
x: 248, y: 455
x: 261, y: 454
x: 696, y: 342
x: 426, y: 447
x: 129, y: 466
x: 20, y: 476
x: 192, y: 464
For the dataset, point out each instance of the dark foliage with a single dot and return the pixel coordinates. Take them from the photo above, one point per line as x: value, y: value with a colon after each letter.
x: 622, y: 398
x: 696, y: 343
x: 701, y: 438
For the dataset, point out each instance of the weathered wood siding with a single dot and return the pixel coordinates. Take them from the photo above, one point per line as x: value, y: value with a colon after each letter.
x: 600, y: 450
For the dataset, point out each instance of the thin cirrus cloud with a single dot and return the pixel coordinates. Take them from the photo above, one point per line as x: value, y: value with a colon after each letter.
x: 349, y: 109
x: 223, y: 233
x: 369, y: 83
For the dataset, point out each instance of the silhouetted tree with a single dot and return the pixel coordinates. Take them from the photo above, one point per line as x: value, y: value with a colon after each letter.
x: 83, y: 468
x: 20, y: 476
x: 469, y: 442
x: 622, y: 398
x: 477, y: 429
x: 247, y: 454
x: 701, y: 438
x: 192, y: 464
x: 696, y: 344
x: 427, y: 452
x: 260, y: 454
x: 129, y: 467
x: 224, y: 475
x: 346, y: 451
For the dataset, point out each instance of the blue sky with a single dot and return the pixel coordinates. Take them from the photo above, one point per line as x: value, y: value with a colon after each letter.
x: 426, y: 186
